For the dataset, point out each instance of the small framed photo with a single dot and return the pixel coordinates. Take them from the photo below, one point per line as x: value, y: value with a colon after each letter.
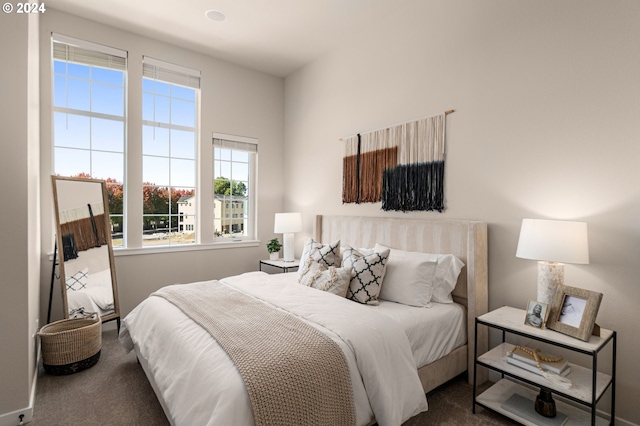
x: 536, y: 314
x: 573, y: 312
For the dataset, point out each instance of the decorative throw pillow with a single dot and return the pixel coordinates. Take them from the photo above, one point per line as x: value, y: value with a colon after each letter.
x: 77, y: 281
x: 367, y: 276
x: 325, y: 254
x: 332, y: 280
x: 409, y: 277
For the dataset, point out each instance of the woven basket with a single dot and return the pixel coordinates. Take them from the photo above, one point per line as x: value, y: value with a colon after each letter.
x: 71, y: 345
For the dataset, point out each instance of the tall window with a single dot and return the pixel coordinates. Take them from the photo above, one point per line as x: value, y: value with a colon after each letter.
x: 234, y: 164
x: 89, y: 117
x: 169, y: 134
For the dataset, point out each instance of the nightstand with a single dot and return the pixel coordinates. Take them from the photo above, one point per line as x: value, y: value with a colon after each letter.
x: 588, y: 384
x: 281, y: 264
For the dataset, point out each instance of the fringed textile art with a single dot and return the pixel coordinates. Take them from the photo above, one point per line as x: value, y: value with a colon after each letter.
x: 401, y: 166
x: 81, y: 226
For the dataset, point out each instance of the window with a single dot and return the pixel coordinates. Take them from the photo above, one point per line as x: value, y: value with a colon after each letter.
x: 234, y: 165
x: 89, y: 118
x: 169, y: 163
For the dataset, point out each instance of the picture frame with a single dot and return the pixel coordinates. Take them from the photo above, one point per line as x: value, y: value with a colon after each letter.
x: 536, y: 314
x: 573, y: 312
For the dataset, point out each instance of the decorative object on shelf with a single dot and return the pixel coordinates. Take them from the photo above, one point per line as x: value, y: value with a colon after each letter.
x: 524, y: 408
x: 402, y: 166
x: 536, y: 314
x: 552, y: 243
x: 573, y: 312
x: 273, y: 247
x: 536, y: 362
x: 545, y: 405
x: 287, y: 224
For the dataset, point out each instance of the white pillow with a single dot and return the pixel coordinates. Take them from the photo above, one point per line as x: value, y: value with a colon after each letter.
x: 447, y: 269
x: 332, y: 280
x: 99, y: 279
x: 101, y: 296
x: 367, y: 276
x: 326, y: 254
x: 447, y: 272
x: 409, y: 278
x: 77, y: 281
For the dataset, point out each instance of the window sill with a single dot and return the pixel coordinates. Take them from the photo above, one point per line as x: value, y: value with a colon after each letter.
x: 117, y: 252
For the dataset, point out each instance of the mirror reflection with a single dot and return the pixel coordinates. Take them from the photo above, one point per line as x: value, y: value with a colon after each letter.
x: 85, y: 253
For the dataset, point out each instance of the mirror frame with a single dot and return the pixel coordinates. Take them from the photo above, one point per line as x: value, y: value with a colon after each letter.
x: 115, y: 315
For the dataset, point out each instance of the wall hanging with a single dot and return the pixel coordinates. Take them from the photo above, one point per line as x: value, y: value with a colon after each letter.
x: 402, y: 166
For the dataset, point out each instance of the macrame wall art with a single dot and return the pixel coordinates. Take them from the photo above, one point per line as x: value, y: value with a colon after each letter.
x: 401, y: 166
x: 83, y: 227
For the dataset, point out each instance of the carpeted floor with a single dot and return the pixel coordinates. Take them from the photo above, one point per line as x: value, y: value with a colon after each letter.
x: 116, y: 392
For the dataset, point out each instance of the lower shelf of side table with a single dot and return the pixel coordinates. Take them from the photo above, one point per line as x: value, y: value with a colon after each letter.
x: 494, y: 397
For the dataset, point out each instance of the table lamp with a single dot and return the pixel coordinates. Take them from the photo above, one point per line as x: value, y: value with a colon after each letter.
x: 553, y: 243
x: 287, y: 224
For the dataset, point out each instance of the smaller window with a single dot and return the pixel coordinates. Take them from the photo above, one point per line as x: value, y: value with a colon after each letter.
x: 234, y: 168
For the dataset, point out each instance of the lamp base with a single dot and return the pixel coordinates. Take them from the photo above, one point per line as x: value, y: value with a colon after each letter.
x: 288, y: 247
x: 550, y: 276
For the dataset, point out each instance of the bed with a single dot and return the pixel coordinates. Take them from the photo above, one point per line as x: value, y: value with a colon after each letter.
x: 88, y: 283
x: 196, y: 381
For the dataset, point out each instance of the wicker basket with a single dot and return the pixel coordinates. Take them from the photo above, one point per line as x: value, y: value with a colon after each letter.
x: 71, y: 345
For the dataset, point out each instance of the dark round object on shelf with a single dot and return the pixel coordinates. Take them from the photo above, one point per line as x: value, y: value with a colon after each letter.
x: 545, y: 405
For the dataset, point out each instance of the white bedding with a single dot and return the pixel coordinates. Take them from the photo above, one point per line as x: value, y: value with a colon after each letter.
x: 198, y: 383
x: 97, y: 296
x: 433, y: 332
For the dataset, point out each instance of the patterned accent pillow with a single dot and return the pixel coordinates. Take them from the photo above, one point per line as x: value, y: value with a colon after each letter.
x: 332, y: 280
x: 325, y: 254
x: 78, y: 281
x: 368, y: 273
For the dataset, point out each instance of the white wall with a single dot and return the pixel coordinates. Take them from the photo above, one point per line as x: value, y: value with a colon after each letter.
x: 234, y: 100
x: 547, y: 100
x: 20, y: 247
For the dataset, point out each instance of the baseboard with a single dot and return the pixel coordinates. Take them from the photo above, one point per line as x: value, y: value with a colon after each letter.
x: 26, y: 414
x: 13, y: 418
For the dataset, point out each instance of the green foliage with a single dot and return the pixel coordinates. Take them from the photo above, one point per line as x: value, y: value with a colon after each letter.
x: 223, y: 186
x: 273, y: 245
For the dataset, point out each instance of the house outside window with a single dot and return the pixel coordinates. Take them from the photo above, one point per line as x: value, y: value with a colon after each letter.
x: 234, y: 171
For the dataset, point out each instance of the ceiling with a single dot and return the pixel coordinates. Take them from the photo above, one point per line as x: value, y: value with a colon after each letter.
x: 273, y: 36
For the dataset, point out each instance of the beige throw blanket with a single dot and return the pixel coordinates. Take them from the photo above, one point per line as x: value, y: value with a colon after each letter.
x: 294, y: 373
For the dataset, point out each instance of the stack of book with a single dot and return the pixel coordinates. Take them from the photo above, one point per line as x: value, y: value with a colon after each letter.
x: 524, y: 360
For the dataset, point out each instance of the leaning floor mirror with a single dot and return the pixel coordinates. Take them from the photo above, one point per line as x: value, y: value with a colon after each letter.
x: 84, y: 248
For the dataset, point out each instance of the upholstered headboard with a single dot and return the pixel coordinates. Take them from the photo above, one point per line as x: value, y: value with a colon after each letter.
x: 466, y: 239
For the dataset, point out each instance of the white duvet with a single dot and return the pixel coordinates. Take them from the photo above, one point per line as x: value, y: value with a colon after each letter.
x: 199, y: 385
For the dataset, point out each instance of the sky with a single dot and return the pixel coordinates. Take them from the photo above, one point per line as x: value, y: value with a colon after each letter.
x: 96, y: 145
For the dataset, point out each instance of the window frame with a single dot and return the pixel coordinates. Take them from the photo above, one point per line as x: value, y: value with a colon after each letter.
x: 157, y: 70
x: 132, y: 210
x: 246, y: 144
x: 91, y: 55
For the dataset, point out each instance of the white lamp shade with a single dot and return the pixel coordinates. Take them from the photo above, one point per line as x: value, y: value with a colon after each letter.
x: 287, y: 222
x: 553, y: 241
